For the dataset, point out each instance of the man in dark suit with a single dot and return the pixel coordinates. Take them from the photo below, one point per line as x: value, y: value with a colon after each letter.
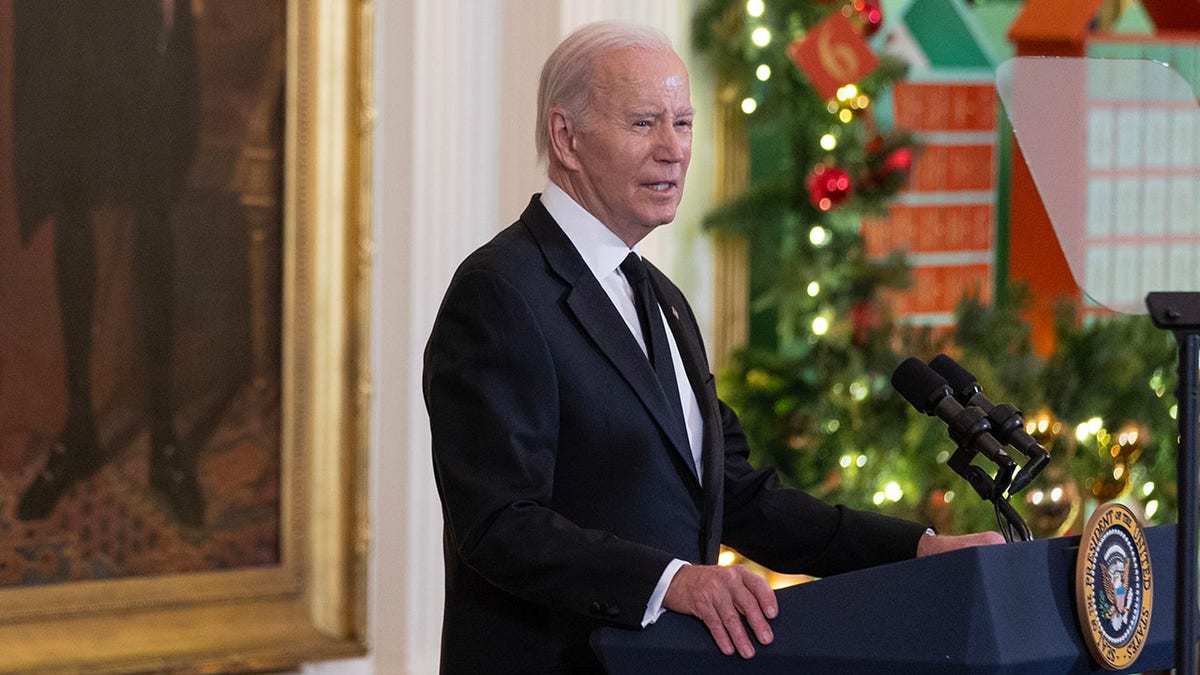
x: 587, y: 470
x: 106, y: 114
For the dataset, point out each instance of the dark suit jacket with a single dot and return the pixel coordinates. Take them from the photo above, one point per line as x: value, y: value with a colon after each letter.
x: 563, y: 493
x: 105, y: 106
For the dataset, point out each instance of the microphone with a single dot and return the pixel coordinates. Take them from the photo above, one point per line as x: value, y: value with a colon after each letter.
x: 1007, y: 424
x: 969, y: 427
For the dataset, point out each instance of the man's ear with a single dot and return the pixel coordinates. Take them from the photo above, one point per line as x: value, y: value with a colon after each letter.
x: 563, y: 134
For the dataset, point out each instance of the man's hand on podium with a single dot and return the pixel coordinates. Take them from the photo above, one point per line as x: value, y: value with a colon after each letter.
x: 932, y: 544
x: 720, y: 597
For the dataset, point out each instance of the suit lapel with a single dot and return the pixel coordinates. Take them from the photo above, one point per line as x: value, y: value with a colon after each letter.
x: 604, y: 325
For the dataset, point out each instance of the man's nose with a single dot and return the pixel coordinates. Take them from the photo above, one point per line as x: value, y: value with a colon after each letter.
x: 670, y: 144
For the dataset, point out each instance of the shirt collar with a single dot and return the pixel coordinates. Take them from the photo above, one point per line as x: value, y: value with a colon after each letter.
x: 600, y: 249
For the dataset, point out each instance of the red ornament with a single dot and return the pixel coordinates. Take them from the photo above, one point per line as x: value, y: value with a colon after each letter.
x: 864, y: 319
x: 870, y: 15
x: 828, y: 186
x: 898, y: 160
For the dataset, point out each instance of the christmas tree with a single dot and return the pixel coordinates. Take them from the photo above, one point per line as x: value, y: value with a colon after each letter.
x: 813, y: 386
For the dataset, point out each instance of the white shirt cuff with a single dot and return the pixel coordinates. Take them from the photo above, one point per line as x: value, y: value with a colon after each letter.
x: 654, y: 608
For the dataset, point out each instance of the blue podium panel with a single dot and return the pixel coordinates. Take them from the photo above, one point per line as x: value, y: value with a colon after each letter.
x: 995, y: 609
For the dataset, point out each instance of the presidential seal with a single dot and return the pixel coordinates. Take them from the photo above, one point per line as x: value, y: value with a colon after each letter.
x: 1114, y: 586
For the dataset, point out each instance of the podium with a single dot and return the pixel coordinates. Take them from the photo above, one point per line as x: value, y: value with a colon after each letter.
x: 993, y: 609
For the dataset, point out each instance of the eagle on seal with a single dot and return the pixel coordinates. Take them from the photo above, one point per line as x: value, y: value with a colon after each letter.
x: 1115, y: 574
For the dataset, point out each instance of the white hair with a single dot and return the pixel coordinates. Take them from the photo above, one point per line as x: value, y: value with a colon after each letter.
x: 567, y: 73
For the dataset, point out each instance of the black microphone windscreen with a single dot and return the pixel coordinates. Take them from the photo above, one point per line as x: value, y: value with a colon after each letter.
x: 917, y: 383
x: 959, y: 378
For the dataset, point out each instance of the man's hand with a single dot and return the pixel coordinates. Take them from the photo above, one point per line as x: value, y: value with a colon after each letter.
x: 720, y: 597
x: 931, y: 544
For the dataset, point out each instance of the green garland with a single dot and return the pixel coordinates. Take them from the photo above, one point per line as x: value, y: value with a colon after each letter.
x: 830, y: 421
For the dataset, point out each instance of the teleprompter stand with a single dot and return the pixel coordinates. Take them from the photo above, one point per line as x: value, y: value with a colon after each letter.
x: 1179, y: 313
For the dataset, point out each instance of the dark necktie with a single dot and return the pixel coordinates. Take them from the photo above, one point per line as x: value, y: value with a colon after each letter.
x: 657, y: 348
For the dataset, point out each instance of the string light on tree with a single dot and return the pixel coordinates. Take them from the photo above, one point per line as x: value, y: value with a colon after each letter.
x: 892, y: 492
x: 1158, y: 383
x: 844, y: 102
x: 1091, y: 427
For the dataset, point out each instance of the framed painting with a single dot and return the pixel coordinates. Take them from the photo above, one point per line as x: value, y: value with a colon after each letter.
x: 184, y: 308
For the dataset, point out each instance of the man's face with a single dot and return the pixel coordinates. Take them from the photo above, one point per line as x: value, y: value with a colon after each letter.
x: 635, y: 142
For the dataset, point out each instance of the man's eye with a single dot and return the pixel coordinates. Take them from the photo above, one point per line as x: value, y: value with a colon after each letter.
x: 642, y: 123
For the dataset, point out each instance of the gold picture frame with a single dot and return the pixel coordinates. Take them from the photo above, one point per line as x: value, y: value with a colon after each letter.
x: 312, y: 605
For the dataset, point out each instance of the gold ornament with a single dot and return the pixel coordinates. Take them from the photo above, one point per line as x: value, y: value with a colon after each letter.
x: 1052, y: 502
x: 1045, y: 428
x: 1127, y: 447
x: 1111, y: 485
